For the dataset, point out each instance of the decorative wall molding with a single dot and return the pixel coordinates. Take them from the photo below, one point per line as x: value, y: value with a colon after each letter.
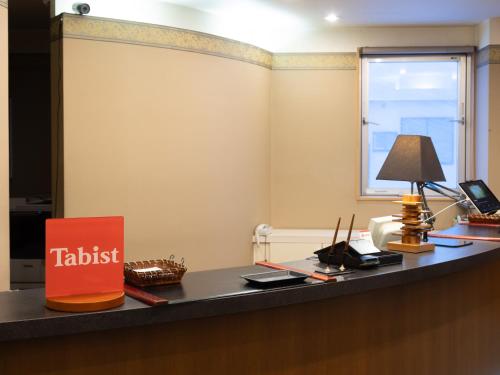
x: 313, y: 61
x: 4, y: 3
x: 488, y: 55
x: 100, y: 29
x: 118, y: 31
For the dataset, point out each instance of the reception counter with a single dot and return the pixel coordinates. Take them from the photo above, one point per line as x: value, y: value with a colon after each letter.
x: 437, y: 313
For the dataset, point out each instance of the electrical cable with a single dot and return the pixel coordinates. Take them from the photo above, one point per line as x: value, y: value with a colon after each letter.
x: 444, y: 209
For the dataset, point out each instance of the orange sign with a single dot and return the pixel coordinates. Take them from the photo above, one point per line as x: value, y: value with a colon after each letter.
x: 84, y: 256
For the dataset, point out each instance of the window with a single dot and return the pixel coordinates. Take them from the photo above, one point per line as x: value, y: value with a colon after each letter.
x: 422, y: 95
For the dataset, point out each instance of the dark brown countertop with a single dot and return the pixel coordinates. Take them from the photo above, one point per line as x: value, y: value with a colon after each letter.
x: 218, y: 292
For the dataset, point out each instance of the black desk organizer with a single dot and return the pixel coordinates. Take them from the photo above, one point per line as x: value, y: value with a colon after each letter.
x: 352, y: 259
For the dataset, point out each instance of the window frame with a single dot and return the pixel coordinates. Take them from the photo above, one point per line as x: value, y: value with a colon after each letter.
x: 465, y: 147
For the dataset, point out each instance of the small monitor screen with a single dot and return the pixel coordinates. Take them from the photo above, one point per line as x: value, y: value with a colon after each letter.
x: 478, y: 192
x: 481, y: 196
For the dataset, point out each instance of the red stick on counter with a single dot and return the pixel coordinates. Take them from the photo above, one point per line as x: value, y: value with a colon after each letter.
x: 143, y: 296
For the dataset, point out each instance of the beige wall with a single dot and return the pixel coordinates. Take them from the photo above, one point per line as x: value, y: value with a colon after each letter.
x: 195, y: 150
x: 175, y: 141
x: 494, y: 127
x: 4, y: 152
x: 488, y: 99
x: 488, y: 32
x: 494, y: 107
x: 482, y: 121
x: 488, y: 117
x: 315, y: 143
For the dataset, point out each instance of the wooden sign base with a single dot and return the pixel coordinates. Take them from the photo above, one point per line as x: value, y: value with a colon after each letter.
x: 410, y: 248
x: 86, y: 302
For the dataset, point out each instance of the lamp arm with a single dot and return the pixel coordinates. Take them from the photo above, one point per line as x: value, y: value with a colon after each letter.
x: 428, y: 217
x: 456, y: 195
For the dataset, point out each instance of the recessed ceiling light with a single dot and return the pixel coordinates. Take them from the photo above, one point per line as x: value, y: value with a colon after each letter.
x: 332, y: 17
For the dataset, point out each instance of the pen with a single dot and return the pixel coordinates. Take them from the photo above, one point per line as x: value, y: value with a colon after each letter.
x: 330, y: 252
x: 342, y: 268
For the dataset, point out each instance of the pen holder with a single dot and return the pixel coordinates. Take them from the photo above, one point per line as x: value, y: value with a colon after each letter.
x: 350, y: 258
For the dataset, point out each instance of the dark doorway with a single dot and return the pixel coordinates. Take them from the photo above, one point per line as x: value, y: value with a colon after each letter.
x: 30, y: 163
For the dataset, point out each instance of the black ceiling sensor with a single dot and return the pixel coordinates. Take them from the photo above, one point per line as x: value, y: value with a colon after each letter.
x: 81, y: 8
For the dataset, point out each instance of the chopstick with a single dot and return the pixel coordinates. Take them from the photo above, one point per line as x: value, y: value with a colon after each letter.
x: 342, y: 268
x: 349, y: 234
x: 334, y: 239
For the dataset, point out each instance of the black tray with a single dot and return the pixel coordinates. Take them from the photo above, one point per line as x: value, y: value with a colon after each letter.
x: 274, y: 278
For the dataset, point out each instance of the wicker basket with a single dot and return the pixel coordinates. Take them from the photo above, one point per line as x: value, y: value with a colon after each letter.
x: 154, y: 272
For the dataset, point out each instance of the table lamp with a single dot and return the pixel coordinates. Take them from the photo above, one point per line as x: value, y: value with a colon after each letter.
x: 413, y: 158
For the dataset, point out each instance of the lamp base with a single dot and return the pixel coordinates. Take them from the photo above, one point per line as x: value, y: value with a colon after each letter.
x: 409, y: 247
x: 86, y: 302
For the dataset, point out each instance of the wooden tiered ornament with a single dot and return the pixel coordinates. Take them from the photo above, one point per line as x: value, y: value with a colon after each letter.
x: 412, y: 228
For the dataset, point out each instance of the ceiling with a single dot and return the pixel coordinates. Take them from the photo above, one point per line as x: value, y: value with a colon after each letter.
x: 360, y: 12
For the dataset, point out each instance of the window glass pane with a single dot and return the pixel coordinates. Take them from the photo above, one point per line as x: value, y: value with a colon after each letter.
x: 412, y: 96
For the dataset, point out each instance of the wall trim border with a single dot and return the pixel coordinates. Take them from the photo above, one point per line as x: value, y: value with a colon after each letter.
x: 315, y: 61
x: 128, y: 32
x: 488, y: 55
x: 4, y: 3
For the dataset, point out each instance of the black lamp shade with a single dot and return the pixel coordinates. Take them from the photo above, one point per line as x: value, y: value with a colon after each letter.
x: 412, y: 158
